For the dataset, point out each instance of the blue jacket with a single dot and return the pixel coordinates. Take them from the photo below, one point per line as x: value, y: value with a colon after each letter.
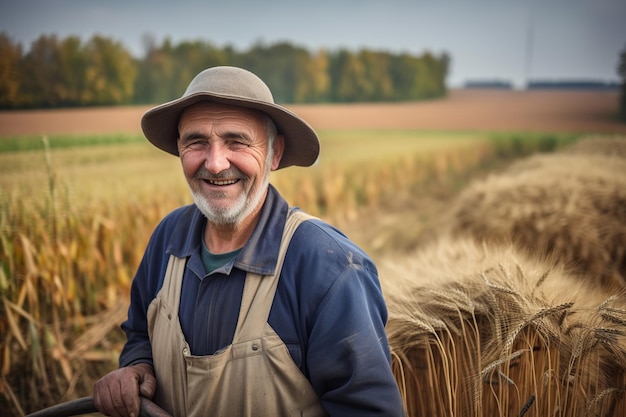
x: 328, y: 308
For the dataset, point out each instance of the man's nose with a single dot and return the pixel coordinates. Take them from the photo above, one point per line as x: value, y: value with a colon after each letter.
x: 217, y: 158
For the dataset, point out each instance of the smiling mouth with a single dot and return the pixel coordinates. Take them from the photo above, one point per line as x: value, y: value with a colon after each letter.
x: 221, y: 182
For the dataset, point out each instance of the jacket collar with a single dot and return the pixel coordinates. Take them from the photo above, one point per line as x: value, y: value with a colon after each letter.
x: 259, y: 255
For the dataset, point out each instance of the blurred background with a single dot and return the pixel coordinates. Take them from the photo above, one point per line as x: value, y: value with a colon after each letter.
x: 145, y: 52
x: 416, y: 102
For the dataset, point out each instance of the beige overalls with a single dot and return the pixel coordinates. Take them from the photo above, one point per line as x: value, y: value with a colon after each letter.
x: 255, y: 376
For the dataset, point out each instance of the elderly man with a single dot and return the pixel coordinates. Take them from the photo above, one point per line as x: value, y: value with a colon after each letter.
x: 243, y: 305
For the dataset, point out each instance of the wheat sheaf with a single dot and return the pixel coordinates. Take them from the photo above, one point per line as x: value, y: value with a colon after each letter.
x: 519, y: 308
x: 485, y: 330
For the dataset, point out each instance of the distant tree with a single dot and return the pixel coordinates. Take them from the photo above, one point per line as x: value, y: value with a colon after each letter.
x: 377, y: 75
x: 62, y: 73
x: 349, y: 78
x: 71, y: 84
x: 621, y: 70
x: 313, y: 81
x: 155, y: 73
x: 111, y: 72
x: 283, y: 66
x: 40, y: 70
x: 443, y: 72
x: 428, y: 76
x: 400, y: 75
x: 10, y: 74
x: 190, y: 58
x: 165, y: 71
x: 405, y: 73
x: 54, y: 73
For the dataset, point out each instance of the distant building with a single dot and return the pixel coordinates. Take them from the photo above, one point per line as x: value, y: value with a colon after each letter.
x: 573, y: 85
x: 489, y: 84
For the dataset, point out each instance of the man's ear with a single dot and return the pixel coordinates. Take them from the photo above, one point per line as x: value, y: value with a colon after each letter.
x: 279, y: 148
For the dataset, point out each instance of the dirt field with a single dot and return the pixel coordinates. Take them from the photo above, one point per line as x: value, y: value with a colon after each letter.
x: 473, y: 110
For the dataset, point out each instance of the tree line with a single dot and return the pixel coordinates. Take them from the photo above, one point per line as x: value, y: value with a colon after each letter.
x: 67, y: 72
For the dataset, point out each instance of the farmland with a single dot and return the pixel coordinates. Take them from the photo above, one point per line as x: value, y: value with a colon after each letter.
x: 463, y: 110
x: 76, y: 218
x: 465, y: 113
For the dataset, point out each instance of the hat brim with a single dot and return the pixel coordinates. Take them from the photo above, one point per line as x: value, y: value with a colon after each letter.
x: 160, y: 126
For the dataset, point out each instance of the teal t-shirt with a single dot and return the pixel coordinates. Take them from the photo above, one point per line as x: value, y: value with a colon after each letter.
x: 212, y: 261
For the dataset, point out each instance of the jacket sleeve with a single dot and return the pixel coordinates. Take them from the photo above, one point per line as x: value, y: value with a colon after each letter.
x: 137, y: 348
x: 348, y: 357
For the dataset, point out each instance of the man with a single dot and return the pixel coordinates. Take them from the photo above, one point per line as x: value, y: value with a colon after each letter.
x: 243, y: 305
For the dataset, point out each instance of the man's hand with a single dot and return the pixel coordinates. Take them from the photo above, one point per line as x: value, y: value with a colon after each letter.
x: 117, y: 393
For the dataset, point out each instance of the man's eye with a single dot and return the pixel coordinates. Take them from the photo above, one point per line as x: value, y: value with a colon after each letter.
x: 195, y: 144
x: 238, y: 143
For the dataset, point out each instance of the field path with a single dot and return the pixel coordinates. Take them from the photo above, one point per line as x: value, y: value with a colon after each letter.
x: 469, y: 110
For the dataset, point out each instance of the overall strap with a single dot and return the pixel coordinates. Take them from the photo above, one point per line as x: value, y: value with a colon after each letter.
x: 258, y: 292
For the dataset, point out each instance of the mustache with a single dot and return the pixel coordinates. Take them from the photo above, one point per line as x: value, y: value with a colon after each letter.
x: 203, y: 174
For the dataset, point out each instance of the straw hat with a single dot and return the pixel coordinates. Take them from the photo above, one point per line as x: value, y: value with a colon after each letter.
x: 238, y: 87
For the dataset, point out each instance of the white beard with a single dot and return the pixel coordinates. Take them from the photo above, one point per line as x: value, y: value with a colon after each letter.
x: 242, y: 207
x: 238, y: 211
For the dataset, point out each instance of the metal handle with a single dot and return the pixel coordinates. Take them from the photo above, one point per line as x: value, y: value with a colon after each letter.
x: 85, y: 405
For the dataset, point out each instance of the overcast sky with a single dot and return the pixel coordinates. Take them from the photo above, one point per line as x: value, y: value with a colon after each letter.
x: 508, y: 40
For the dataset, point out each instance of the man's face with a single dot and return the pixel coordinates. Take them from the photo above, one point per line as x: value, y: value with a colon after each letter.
x: 226, y: 160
